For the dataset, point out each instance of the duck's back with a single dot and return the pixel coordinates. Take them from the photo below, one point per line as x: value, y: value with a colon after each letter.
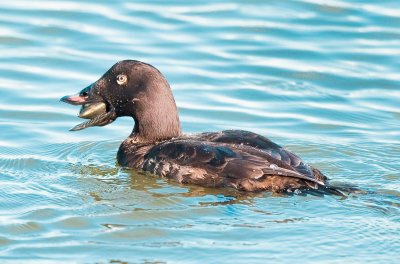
x: 233, y: 158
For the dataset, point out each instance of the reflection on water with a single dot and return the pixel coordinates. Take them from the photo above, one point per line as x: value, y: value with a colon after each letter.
x: 320, y: 77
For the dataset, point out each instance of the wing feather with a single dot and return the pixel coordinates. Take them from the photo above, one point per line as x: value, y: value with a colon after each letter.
x: 217, y: 164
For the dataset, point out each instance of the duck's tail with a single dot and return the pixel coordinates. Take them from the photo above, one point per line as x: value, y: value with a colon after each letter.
x: 331, y: 188
x: 338, y: 189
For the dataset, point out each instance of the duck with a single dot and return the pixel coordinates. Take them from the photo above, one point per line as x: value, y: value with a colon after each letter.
x: 237, y: 159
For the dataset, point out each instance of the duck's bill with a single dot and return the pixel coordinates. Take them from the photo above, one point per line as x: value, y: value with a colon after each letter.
x: 101, y: 119
x: 96, y: 112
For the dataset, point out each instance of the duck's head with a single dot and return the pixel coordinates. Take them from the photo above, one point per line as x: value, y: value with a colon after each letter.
x: 130, y: 88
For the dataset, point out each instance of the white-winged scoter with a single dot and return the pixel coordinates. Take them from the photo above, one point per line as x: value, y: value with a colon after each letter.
x: 232, y: 158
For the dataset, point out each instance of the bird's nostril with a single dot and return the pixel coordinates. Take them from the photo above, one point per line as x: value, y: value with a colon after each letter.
x: 84, y: 94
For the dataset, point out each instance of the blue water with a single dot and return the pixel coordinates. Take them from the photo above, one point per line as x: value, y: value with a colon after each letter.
x: 320, y: 77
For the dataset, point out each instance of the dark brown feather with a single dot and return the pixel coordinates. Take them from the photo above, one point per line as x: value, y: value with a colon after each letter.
x: 233, y: 158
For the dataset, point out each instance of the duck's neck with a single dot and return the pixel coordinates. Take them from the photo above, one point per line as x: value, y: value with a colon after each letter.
x: 148, y: 131
x: 156, y: 124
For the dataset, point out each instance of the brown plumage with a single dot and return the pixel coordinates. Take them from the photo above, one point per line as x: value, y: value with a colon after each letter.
x: 233, y: 158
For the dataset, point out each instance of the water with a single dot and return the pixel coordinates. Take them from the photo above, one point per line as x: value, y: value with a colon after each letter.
x: 321, y: 77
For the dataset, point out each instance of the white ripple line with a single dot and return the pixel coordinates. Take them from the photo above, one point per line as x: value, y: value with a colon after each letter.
x: 374, y: 9
x: 254, y: 23
x: 161, y: 9
x: 59, y: 74
x: 254, y: 112
x: 297, y: 66
x: 80, y: 7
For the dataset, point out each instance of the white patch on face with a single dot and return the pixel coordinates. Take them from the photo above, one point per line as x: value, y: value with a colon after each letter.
x: 122, y: 79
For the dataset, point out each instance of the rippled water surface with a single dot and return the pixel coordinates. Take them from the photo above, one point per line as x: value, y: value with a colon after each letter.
x: 320, y: 77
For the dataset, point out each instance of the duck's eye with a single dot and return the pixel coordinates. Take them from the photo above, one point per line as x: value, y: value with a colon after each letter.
x: 121, y: 79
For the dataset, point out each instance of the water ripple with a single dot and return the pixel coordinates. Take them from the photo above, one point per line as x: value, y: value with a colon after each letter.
x: 320, y: 77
